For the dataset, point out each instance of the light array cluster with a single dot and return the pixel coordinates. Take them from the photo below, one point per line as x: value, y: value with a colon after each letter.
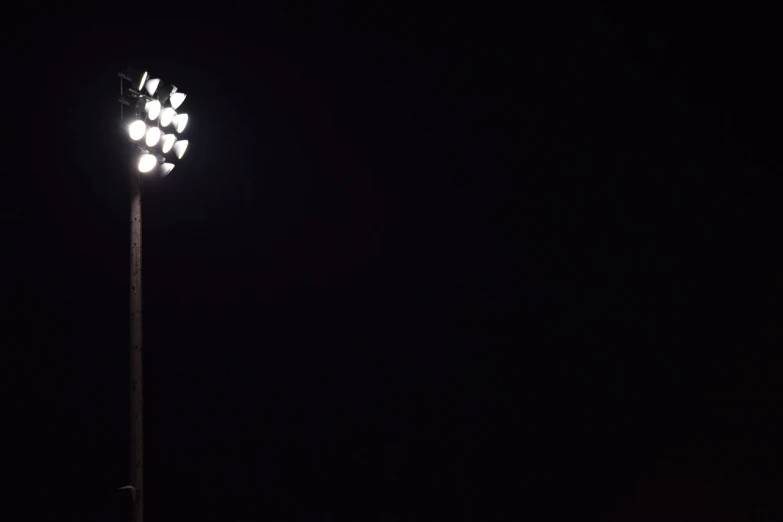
x: 155, y: 125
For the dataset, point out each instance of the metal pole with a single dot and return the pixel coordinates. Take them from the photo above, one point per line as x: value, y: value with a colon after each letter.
x: 136, y: 402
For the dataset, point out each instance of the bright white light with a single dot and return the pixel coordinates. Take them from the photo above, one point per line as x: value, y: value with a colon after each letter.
x: 143, y: 79
x: 176, y: 99
x: 180, y: 147
x: 153, y: 109
x: 152, y: 85
x: 166, y: 168
x: 166, y: 116
x: 147, y: 162
x: 168, y: 142
x: 153, y: 136
x: 136, y: 130
x: 180, y: 121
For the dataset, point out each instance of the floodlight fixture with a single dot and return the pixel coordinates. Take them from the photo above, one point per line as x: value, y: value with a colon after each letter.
x: 152, y: 136
x: 136, y: 78
x: 180, y: 147
x: 147, y: 162
x: 180, y: 122
x: 152, y: 85
x: 165, y: 169
x: 136, y: 130
x: 176, y: 99
x: 163, y: 92
x: 167, y: 141
x: 153, y: 109
x: 166, y: 115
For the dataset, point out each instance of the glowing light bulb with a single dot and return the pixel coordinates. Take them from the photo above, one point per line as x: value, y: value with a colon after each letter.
x: 136, y: 130
x: 153, y: 109
x: 152, y: 85
x: 168, y: 142
x: 176, y: 99
x: 153, y: 136
x: 180, y: 147
x: 166, y: 116
x: 180, y: 122
x: 143, y: 80
x: 147, y: 162
x: 166, y: 168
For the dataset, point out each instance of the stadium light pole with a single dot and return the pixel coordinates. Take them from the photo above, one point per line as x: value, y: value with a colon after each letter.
x: 146, y: 107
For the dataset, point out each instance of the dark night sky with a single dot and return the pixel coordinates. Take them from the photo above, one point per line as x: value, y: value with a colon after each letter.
x: 438, y: 262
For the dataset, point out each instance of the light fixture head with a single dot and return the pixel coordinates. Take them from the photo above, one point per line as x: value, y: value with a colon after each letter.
x: 152, y: 85
x: 180, y: 122
x: 167, y: 141
x: 180, y: 147
x: 152, y: 136
x: 136, y: 78
x: 152, y: 108
x: 166, y: 115
x: 176, y: 99
x: 165, y: 169
x: 163, y: 92
x: 136, y: 130
x: 147, y: 162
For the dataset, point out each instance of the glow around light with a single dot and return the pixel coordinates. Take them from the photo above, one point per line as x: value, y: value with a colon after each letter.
x: 136, y: 130
x: 180, y: 122
x: 147, y: 162
x: 153, y: 136
x: 166, y: 168
x: 168, y: 142
x: 152, y: 85
x: 180, y: 147
x: 166, y: 116
x: 176, y: 99
x: 143, y: 79
x: 153, y: 109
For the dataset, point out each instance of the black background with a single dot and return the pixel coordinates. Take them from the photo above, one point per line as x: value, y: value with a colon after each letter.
x: 419, y: 262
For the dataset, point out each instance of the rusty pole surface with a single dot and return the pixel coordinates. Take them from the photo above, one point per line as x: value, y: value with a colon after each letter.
x: 136, y: 399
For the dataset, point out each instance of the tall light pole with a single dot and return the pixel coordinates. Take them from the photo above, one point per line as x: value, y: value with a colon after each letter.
x: 148, y: 144
x: 136, y: 343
